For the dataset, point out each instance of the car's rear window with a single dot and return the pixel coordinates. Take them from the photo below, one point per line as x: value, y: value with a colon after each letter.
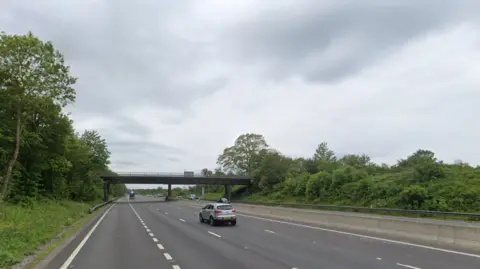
x: 225, y: 207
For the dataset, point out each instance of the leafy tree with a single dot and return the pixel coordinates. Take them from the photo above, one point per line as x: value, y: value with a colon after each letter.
x: 41, y: 156
x: 99, y: 153
x: 206, y: 172
x: 420, y: 181
x: 273, y: 170
x: 240, y: 158
x: 323, y: 153
x: 33, y: 78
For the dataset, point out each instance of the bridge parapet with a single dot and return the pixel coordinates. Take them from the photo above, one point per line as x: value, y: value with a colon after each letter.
x: 166, y: 174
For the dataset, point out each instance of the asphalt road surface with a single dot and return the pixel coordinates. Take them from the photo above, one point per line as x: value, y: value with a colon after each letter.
x: 144, y: 235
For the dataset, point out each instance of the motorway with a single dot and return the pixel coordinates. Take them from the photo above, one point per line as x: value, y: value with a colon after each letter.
x: 148, y: 234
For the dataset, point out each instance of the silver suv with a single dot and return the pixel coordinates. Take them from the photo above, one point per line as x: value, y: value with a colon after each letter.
x: 218, y: 213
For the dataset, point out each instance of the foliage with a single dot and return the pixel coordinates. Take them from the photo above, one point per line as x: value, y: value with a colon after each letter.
x: 40, y: 153
x: 48, y: 172
x: 420, y: 181
x: 242, y: 157
x: 25, y: 229
x: 158, y: 190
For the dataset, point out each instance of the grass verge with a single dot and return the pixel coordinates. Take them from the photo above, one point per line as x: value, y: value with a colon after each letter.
x: 24, y: 230
x: 302, y: 204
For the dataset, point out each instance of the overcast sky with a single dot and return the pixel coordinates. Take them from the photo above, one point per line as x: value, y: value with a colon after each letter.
x: 170, y: 84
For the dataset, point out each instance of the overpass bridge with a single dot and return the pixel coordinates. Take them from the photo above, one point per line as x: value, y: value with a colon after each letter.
x: 185, y: 178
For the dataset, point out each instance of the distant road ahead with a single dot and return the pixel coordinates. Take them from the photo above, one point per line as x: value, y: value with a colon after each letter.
x: 169, y: 235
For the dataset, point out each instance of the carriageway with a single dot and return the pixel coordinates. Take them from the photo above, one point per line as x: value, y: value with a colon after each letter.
x: 186, y: 178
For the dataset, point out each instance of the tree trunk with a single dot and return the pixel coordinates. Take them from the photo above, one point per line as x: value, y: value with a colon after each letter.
x: 8, y: 175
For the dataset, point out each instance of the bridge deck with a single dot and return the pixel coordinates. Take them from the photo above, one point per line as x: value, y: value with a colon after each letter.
x: 175, y: 179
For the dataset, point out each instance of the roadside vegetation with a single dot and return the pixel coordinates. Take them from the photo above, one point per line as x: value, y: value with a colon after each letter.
x: 48, y: 171
x: 419, y: 181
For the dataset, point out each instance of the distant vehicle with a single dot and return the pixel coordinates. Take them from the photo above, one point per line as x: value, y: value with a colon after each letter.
x: 223, y: 201
x: 217, y: 213
x: 193, y: 197
x: 132, y: 195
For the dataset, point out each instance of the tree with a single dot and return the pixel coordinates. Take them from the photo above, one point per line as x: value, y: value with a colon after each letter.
x: 323, y: 153
x: 206, y: 172
x: 241, y: 157
x: 98, y: 148
x: 34, y: 77
x: 273, y: 170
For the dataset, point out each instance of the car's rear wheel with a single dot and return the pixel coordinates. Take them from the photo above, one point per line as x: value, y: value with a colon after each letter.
x: 200, y: 218
x: 212, y: 221
x: 234, y: 223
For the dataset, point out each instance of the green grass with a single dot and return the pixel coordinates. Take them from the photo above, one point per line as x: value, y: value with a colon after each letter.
x: 301, y: 202
x: 213, y: 196
x: 23, y: 230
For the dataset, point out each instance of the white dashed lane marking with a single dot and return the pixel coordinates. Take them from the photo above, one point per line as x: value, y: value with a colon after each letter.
x: 214, y: 234
x: 160, y: 246
x: 408, y: 266
x: 268, y: 231
x: 167, y: 256
x: 363, y: 236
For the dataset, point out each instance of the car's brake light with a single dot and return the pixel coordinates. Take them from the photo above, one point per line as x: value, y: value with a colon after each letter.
x: 218, y: 211
x: 233, y: 210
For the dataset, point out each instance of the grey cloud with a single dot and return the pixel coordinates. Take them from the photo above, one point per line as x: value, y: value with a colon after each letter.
x: 123, y: 60
x: 143, y: 147
x: 126, y: 163
x: 173, y: 159
x: 292, y: 43
x: 125, y: 55
x: 137, y: 154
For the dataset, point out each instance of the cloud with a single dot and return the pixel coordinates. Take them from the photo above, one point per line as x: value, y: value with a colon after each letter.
x: 171, y: 83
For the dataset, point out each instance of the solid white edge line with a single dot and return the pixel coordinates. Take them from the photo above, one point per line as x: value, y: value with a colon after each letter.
x: 366, y: 236
x: 214, y: 234
x: 167, y: 256
x: 408, y: 266
x: 160, y: 246
x: 72, y: 256
x: 268, y: 231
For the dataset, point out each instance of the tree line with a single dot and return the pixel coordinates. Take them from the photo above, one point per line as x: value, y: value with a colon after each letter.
x: 41, y: 155
x: 420, y: 181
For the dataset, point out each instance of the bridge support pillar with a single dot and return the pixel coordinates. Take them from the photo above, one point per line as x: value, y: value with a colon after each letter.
x: 228, y: 191
x: 203, y: 192
x: 106, y: 191
x: 169, y: 192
